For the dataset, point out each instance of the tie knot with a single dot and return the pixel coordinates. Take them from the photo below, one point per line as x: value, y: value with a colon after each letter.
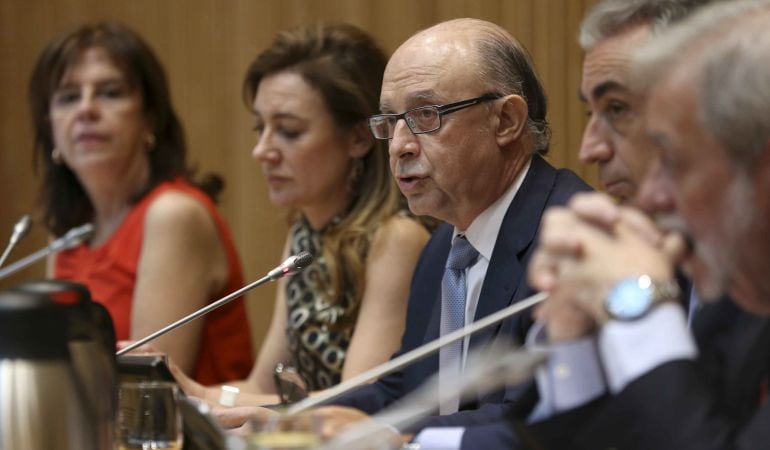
x: 461, y: 255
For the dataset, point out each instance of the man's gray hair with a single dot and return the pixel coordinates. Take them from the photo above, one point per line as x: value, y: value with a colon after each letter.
x: 735, y: 90
x: 506, y: 68
x: 727, y: 49
x: 610, y: 17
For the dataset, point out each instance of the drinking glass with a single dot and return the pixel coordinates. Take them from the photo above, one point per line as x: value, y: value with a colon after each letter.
x: 148, y: 416
x: 284, y: 432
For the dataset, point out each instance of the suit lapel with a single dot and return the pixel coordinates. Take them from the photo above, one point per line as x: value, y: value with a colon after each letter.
x: 430, y: 299
x: 504, y: 280
x: 444, y: 243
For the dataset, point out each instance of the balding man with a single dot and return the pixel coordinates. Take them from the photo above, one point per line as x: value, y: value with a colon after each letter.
x: 465, y: 116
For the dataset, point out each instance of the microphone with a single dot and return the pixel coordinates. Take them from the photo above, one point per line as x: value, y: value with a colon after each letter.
x: 486, y: 370
x: 416, y: 354
x: 72, y: 238
x: 20, y: 229
x: 290, y: 266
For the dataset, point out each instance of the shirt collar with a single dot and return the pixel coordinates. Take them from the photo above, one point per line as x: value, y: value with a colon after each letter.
x: 482, y: 232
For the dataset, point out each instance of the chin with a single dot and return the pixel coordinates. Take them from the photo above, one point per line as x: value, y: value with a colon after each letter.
x: 281, y: 199
x: 422, y: 206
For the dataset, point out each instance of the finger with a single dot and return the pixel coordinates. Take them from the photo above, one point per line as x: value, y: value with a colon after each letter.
x: 542, y: 273
x: 675, y: 247
x: 641, y: 224
x: 243, y: 431
x: 559, y: 232
x: 175, y: 370
x: 237, y: 416
x: 596, y: 208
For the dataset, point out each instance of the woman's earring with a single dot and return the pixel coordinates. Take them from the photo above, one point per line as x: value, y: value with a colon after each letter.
x: 150, y: 142
x: 56, y: 156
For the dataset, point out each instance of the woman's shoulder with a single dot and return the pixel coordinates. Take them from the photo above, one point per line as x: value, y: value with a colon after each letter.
x: 178, y: 209
x: 179, y: 186
x: 400, y: 229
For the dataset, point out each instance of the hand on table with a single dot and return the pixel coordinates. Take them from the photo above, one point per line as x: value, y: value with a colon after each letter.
x: 335, y: 419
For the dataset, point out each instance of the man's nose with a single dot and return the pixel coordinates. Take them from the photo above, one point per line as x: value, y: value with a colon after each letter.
x: 596, y: 146
x: 403, y: 142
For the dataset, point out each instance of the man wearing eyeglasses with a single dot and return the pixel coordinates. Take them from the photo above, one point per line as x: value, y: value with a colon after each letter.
x: 465, y: 117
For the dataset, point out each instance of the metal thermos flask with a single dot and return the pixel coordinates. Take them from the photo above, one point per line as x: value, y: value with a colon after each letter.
x: 45, y: 403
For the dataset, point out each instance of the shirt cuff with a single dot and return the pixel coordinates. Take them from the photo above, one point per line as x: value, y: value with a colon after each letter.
x: 443, y: 438
x: 631, y: 349
x: 571, y: 377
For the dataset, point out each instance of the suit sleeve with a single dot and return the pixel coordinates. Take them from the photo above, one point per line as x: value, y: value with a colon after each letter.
x: 684, y: 414
x: 676, y: 404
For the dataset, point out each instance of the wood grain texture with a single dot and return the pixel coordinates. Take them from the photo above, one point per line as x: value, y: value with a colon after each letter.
x: 206, y: 46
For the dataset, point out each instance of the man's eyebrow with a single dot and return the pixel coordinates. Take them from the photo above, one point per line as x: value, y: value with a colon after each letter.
x: 426, y: 94
x: 411, y: 99
x: 607, y: 86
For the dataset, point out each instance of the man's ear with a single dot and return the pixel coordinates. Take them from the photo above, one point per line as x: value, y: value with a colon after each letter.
x: 359, y: 140
x: 513, y: 119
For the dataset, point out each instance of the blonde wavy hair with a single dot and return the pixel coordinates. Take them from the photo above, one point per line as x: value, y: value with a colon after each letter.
x: 345, y: 65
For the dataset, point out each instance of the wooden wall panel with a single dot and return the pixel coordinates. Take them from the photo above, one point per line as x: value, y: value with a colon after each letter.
x: 206, y: 46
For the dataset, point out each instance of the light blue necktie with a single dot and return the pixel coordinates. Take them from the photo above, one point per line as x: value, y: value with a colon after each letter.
x: 453, y: 292
x: 694, y: 304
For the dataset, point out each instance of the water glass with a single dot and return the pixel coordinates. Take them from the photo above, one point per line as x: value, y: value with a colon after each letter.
x: 148, y: 416
x: 284, y: 432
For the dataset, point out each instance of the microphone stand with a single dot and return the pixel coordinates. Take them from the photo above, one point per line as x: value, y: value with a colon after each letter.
x: 292, y: 265
x: 73, y: 237
x: 416, y: 354
x: 486, y: 371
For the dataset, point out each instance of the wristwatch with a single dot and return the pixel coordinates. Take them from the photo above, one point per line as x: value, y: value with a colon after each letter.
x: 634, y: 297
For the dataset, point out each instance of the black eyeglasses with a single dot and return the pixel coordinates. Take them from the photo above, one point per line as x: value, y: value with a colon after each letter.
x: 424, y: 119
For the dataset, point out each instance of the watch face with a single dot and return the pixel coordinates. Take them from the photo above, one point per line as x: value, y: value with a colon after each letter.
x: 629, y: 300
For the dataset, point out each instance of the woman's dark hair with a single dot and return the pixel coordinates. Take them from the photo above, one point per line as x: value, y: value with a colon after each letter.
x: 64, y: 201
x: 345, y: 65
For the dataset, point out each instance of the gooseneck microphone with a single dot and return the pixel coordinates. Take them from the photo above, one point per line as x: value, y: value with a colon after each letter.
x: 290, y: 266
x: 72, y: 238
x: 416, y: 354
x: 20, y: 229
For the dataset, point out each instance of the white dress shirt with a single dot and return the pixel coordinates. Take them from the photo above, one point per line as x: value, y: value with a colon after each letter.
x: 582, y: 370
x: 482, y: 234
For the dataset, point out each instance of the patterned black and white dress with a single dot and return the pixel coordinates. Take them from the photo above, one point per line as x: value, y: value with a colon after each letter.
x: 317, y: 344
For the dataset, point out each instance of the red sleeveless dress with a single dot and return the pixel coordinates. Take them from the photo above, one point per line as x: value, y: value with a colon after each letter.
x: 109, y: 271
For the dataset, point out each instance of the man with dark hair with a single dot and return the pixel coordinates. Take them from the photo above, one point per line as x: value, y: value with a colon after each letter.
x: 609, y: 33
x: 706, y: 120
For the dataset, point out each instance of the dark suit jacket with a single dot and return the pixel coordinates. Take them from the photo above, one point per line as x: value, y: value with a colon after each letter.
x: 712, y: 403
x: 504, y: 284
